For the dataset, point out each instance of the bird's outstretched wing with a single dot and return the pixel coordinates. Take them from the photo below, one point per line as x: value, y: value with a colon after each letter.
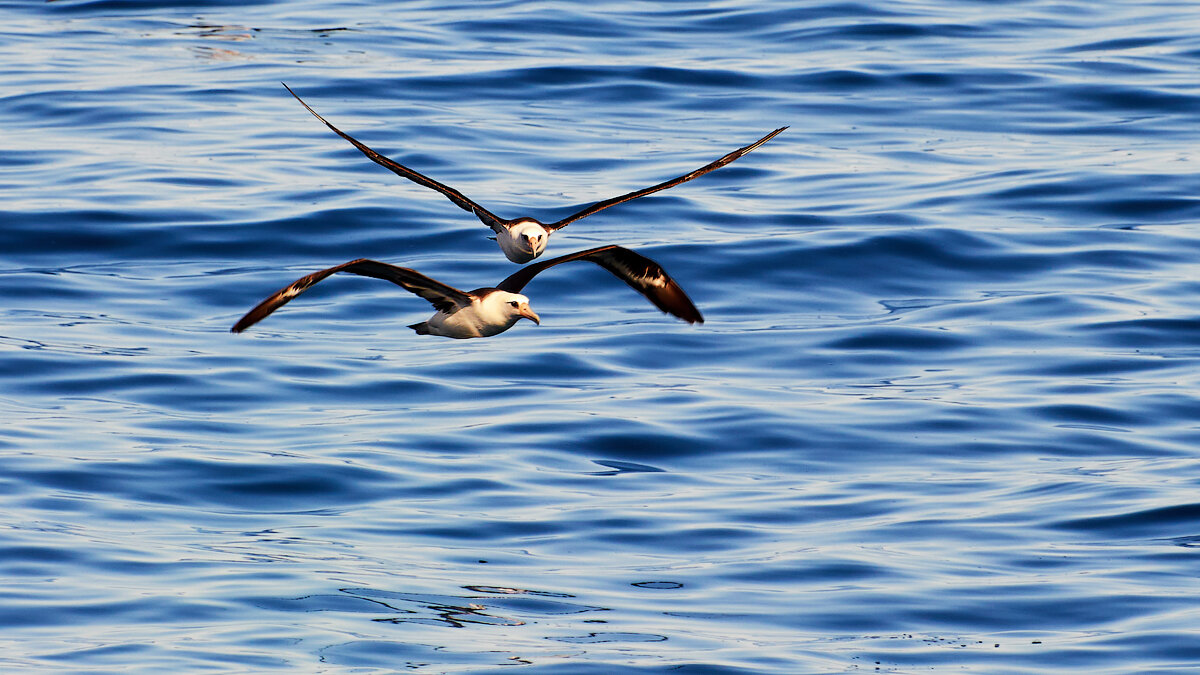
x: 443, y: 298
x: 600, y: 206
x: 399, y: 169
x: 641, y: 273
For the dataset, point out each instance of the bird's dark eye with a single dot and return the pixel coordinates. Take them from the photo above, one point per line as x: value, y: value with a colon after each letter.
x: 514, y: 303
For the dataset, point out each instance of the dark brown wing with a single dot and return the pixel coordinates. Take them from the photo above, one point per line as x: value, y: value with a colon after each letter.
x: 600, y: 206
x: 399, y: 169
x: 641, y: 273
x: 443, y: 298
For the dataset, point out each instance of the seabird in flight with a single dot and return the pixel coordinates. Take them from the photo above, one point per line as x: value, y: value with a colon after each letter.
x: 488, y: 311
x: 523, y: 239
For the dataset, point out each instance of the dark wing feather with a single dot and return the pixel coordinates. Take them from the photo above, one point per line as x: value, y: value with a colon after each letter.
x: 641, y: 273
x: 399, y: 169
x: 444, y: 298
x: 600, y: 206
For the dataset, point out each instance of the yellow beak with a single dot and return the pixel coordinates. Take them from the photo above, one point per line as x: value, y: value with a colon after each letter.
x: 529, y: 313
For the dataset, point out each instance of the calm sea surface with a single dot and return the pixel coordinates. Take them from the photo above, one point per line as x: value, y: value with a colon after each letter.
x: 944, y: 414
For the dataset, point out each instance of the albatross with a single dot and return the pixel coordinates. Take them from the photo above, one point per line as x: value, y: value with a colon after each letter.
x: 523, y: 239
x: 484, y: 312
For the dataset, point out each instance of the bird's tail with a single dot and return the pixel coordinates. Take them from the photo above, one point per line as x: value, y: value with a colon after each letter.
x: 421, y: 328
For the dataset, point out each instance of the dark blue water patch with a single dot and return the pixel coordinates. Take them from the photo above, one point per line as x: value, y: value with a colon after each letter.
x: 1085, y: 439
x: 194, y: 181
x: 679, y: 541
x: 1105, y: 366
x: 283, y: 485
x: 844, y: 509
x: 86, y: 7
x: 1053, y: 612
x: 322, y: 238
x: 769, y: 23
x: 159, y: 657
x: 1156, y: 523
x: 1087, y: 415
x: 86, y: 109
x: 36, y: 555
x: 1063, y: 443
x: 328, y: 237
x: 891, y: 31
x: 99, y: 375
x: 479, y: 531
x: 152, y: 610
x: 113, y: 654
x: 21, y: 159
x: 1015, y: 308
x: 842, y: 80
x: 909, y: 263
x: 497, y: 491
x: 564, y: 23
x: 84, y: 386
x: 883, y: 79
x: 551, y: 365
x: 1164, y: 647
x: 1115, y: 69
x: 1119, y: 44
x: 1135, y: 198
x: 47, y: 287
x: 818, y: 572
x: 1163, y: 406
x: 894, y: 338
x: 50, y: 364
x: 618, y: 467
x: 578, y: 83
x: 1150, y: 334
x: 35, y: 562
x: 646, y: 446
x: 62, y: 233
x: 1114, y: 99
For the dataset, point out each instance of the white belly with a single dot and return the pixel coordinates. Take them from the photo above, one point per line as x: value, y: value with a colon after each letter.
x: 470, y: 322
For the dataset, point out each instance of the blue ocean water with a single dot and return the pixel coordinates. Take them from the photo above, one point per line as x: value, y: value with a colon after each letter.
x: 943, y: 415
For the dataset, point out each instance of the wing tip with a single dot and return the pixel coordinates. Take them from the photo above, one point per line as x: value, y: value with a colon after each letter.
x: 243, y: 323
x: 679, y: 305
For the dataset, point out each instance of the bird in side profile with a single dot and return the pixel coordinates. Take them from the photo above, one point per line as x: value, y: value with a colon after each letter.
x: 523, y: 239
x: 489, y: 311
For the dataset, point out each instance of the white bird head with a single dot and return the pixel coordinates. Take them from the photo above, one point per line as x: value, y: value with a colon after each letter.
x: 528, y: 239
x: 516, y: 307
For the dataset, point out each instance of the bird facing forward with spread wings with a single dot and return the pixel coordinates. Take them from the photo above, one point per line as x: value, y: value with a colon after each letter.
x: 523, y: 239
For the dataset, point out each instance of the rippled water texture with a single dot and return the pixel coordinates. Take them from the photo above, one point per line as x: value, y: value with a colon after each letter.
x: 942, y: 416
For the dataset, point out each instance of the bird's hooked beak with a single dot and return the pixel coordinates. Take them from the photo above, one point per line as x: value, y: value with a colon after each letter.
x: 528, y: 313
x: 532, y: 241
